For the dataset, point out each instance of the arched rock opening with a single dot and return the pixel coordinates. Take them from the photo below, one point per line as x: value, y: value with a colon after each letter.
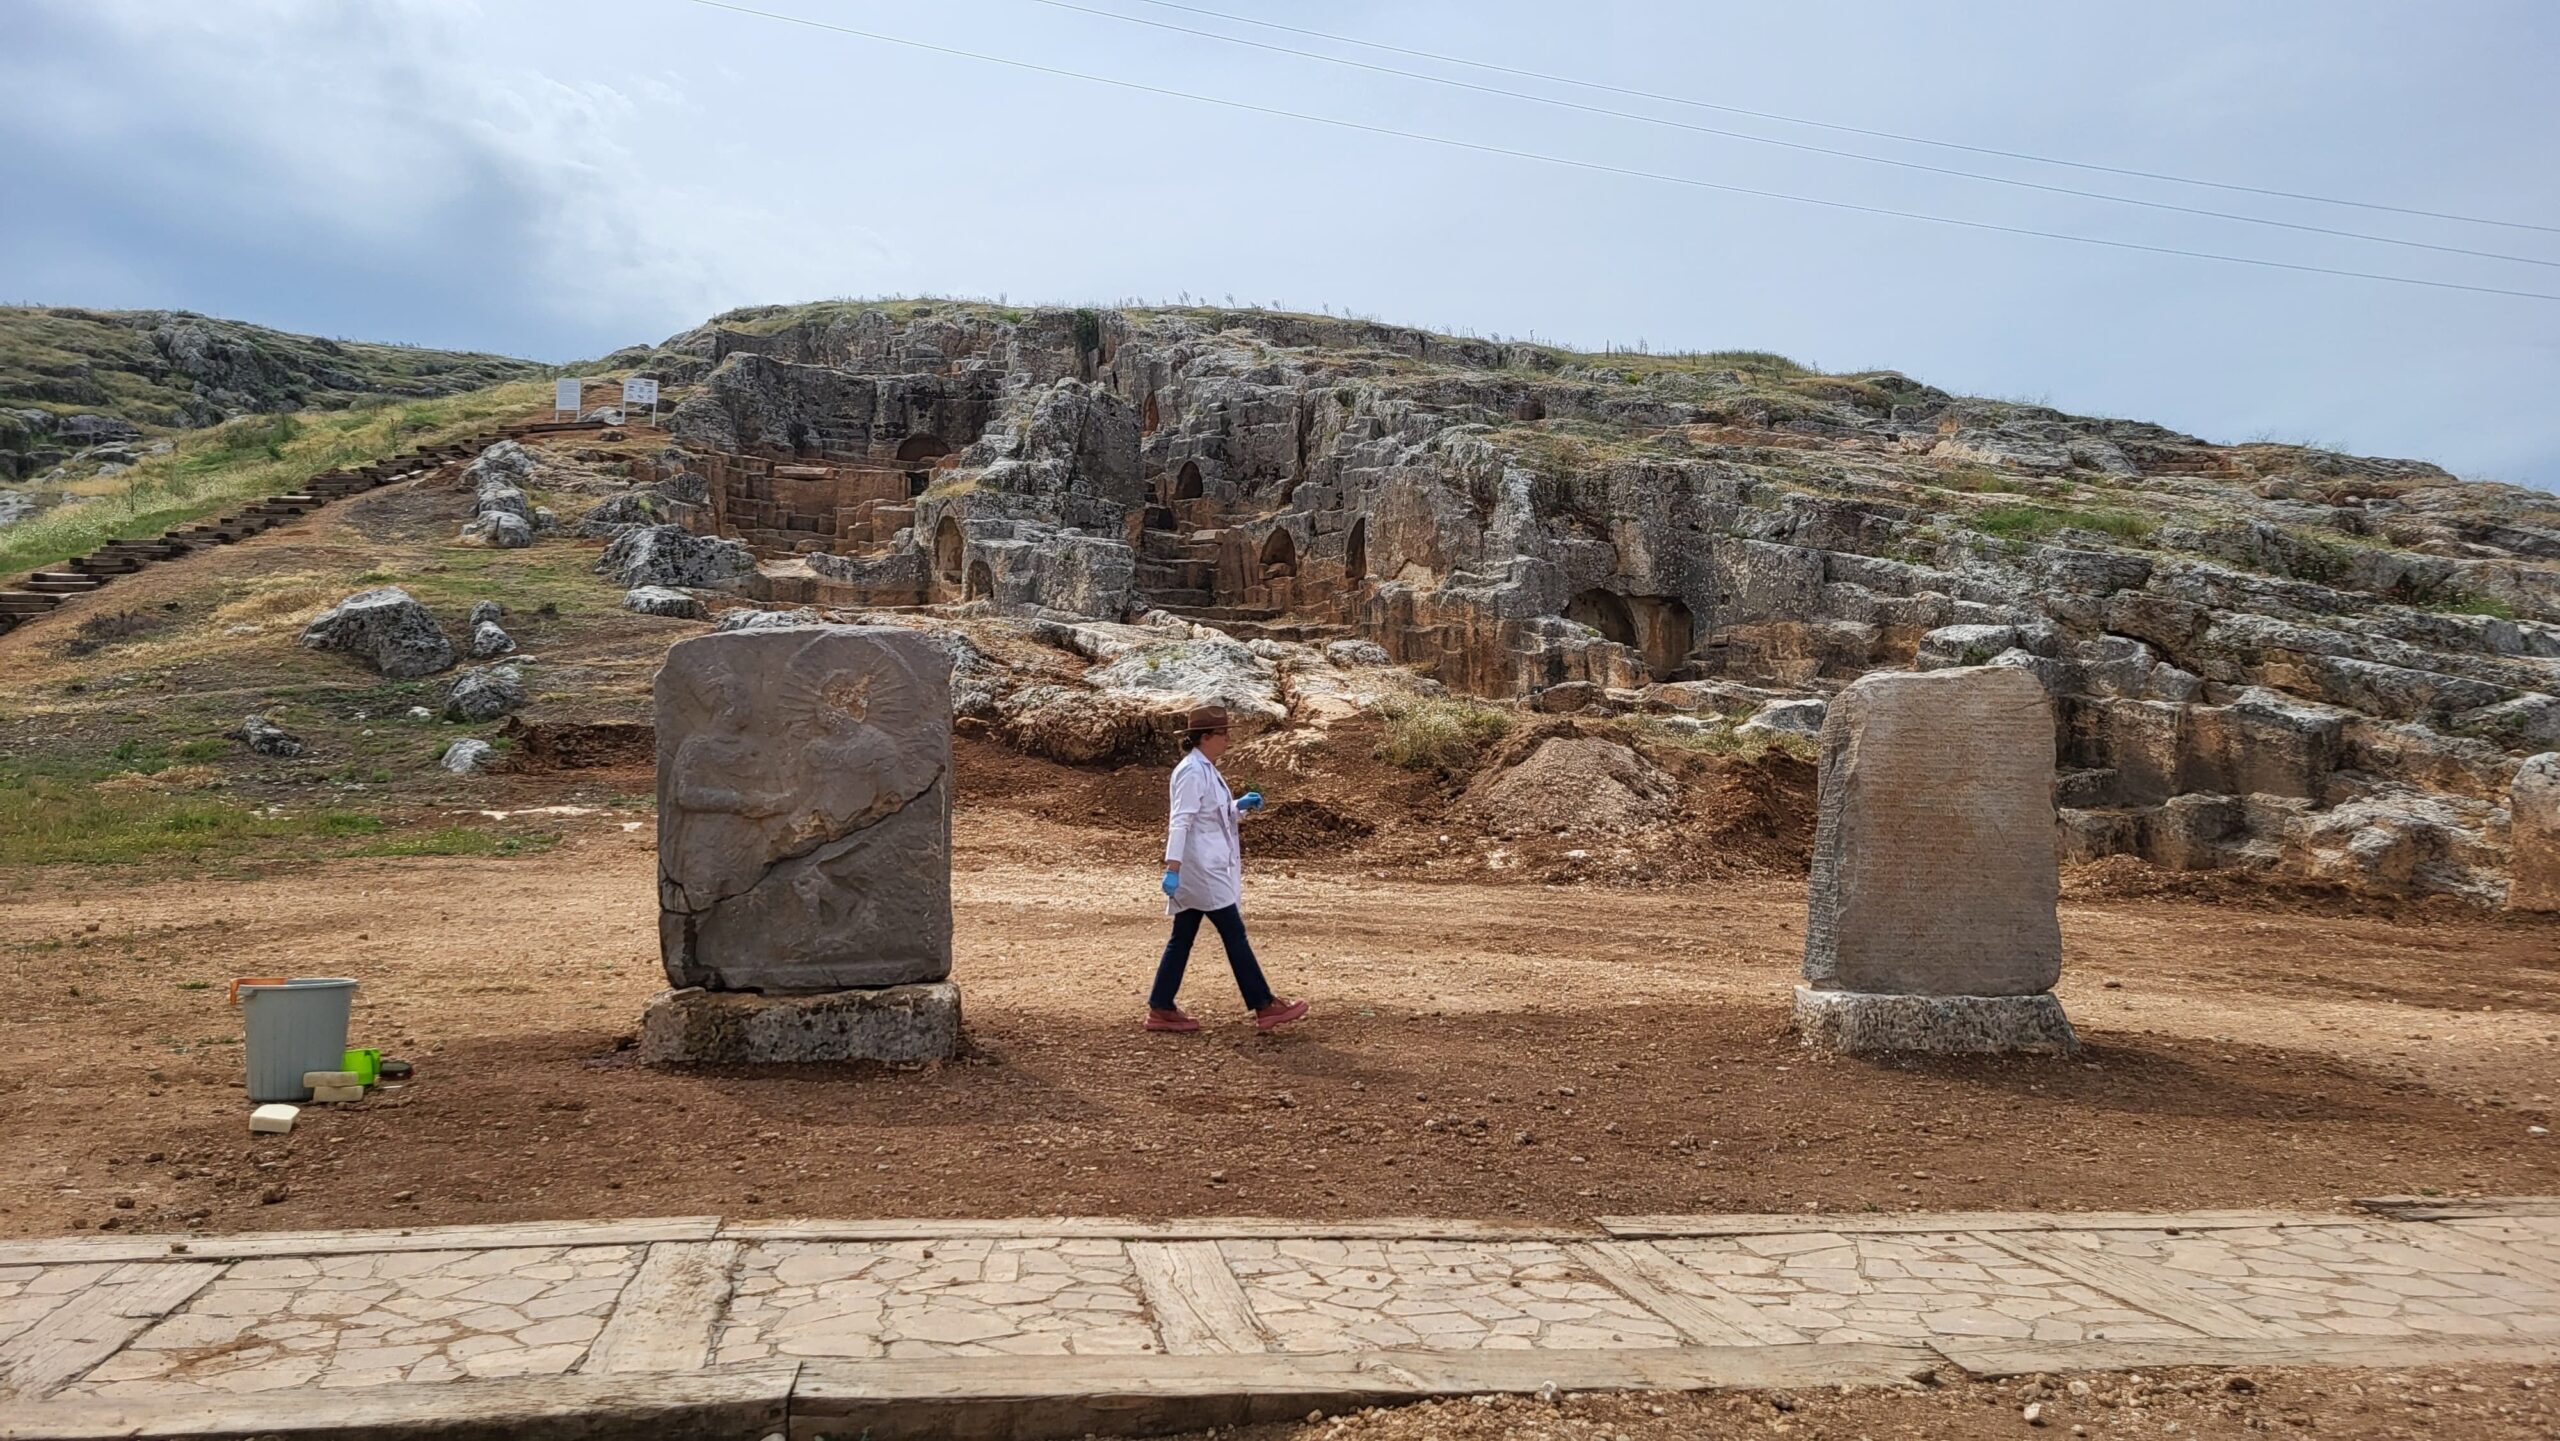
x: 982, y: 582
x: 1355, y: 553
x: 1279, y: 558
x: 923, y: 446
x: 1186, y: 481
x: 1606, y: 612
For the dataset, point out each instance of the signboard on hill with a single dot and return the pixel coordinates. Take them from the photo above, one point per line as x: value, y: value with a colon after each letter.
x: 637, y: 392
x: 564, y: 397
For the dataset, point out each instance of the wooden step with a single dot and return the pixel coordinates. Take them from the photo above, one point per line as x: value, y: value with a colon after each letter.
x: 27, y: 602
x: 61, y: 583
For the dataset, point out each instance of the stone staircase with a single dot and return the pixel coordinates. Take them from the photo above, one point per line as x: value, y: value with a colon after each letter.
x: 44, y: 590
x: 1176, y: 572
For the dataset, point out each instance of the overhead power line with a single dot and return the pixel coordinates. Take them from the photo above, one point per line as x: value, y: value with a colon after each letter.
x: 1698, y: 104
x: 1599, y: 167
x: 1791, y: 144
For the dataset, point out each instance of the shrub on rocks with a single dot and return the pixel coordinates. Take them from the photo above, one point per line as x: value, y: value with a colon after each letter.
x: 387, y: 629
x: 485, y: 694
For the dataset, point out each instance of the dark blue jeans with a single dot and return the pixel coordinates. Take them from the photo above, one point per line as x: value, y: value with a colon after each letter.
x: 1177, y: 956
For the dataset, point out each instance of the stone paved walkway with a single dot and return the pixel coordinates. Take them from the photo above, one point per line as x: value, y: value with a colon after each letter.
x: 1056, y: 1327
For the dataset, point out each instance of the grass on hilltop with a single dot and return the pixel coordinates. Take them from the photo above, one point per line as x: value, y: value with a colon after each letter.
x: 241, y: 461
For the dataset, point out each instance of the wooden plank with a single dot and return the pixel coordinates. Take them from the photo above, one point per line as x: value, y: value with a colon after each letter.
x: 1200, y: 1308
x: 1879, y: 1223
x: 94, y: 1324
x: 1033, y: 1398
x: 341, y: 1243
x: 2471, y: 1208
x: 1211, y: 1228
x: 2140, y: 1289
x: 2028, y: 1358
x: 1703, y: 1311
x: 666, y: 1316
x: 738, y: 1401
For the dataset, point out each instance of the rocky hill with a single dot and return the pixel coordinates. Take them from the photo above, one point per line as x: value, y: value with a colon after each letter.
x: 2263, y: 656
x: 74, y: 378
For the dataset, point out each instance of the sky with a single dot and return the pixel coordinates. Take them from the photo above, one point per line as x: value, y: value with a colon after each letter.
x: 558, y: 180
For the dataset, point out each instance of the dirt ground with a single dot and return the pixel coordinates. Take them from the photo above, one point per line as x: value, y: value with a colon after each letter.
x: 1489, y: 1047
x: 2476, y: 1404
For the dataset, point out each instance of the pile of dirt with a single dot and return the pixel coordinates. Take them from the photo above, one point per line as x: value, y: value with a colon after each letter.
x: 565, y: 746
x: 1571, y: 782
x: 1304, y: 830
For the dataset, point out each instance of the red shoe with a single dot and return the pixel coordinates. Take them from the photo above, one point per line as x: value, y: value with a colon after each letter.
x: 1173, y: 1020
x: 1279, y: 1013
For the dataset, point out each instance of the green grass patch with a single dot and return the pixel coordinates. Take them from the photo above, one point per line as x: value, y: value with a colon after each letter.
x: 458, y: 841
x: 1439, y: 733
x: 1978, y: 480
x: 2034, y: 522
x: 2468, y: 604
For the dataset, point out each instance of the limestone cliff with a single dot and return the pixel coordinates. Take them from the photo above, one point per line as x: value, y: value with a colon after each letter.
x: 2261, y: 655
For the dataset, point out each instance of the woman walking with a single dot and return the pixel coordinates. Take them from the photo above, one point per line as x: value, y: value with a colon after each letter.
x: 1204, y: 876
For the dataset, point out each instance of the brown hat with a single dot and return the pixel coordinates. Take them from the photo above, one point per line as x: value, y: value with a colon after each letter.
x: 1205, y: 720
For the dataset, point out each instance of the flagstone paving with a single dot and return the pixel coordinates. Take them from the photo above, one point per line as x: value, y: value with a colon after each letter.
x: 172, y: 1320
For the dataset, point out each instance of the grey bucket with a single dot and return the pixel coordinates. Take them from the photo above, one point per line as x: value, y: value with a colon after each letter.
x: 294, y: 1026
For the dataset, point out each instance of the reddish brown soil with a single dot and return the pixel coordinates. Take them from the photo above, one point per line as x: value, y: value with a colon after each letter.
x: 2490, y: 1403
x: 1481, y: 1047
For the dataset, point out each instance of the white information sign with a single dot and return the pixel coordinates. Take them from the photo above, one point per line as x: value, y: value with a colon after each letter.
x: 564, y: 396
x: 636, y: 391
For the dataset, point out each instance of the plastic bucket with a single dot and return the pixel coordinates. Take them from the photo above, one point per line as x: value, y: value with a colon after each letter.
x: 293, y: 1026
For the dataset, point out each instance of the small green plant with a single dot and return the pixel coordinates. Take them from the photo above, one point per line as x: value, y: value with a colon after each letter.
x: 2465, y: 603
x: 1438, y: 733
x: 1978, y: 480
x: 204, y: 749
x: 2033, y: 522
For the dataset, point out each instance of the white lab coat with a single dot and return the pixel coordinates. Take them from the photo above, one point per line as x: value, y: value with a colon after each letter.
x: 1202, y: 836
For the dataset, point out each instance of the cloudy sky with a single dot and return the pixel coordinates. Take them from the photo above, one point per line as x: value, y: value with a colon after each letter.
x: 556, y: 180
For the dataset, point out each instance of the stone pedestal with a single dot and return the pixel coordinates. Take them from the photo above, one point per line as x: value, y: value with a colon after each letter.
x: 1931, y: 914
x: 1861, y: 1021
x: 900, y: 1025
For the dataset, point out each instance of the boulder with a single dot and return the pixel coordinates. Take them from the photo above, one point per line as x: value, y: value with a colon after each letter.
x: 1789, y: 717
x: 2533, y: 807
x: 1568, y: 697
x: 387, y: 629
x: 1208, y: 669
x: 267, y: 738
x: 489, y: 639
x: 804, y: 810
x: 749, y: 618
x: 499, y: 530
x: 1955, y: 645
x: 659, y: 600
x: 1352, y: 653
x: 617, y: 513
x: 486, y: 610
x: 485, y: 693
x: 670, y: 555
x: 466, y: 756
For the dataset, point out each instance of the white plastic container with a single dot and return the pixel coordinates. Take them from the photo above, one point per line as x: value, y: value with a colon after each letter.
x: 293, y: 1026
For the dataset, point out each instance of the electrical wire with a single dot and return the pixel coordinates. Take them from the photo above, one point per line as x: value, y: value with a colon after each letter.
x: 1603, y: 168
x: 1850, y: 129
x: 1794, y: 144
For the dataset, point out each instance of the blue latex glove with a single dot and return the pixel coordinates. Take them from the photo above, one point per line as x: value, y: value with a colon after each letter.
x: 1172, y: 879
x: 1249, y: 801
